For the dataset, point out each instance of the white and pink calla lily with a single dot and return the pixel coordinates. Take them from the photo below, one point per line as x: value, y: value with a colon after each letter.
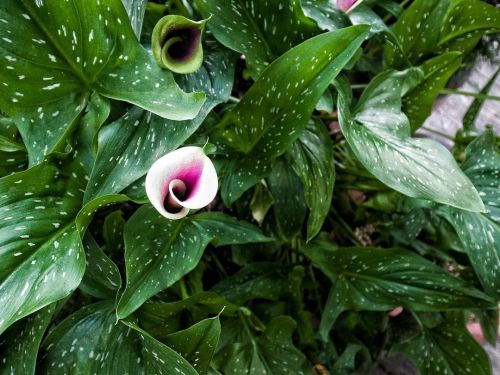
x: 345, y: 5
x: 181, y: 180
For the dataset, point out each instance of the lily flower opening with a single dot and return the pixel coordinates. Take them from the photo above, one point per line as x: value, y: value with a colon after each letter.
x: 345, y: 5
x: 181, y: 180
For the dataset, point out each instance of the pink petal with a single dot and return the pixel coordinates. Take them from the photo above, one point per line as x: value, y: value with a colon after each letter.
x: 184, y: 171
x: 395, y: 312
x: 345, y: 5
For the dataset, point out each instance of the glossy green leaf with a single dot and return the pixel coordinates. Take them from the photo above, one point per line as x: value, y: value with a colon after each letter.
x: 92, y: 341
x: 129, y: 146
x: 197, y: 343
x: 159, y: 252
x: 480, y: 232
x: 262, y: 201
x: 379, y: 135
x: 311, y: 157
x: 41, y: 255
x: 102, y: 278
x: 136, y: 10
x: 378, y: 279
x: 165, y: 318
x: 255, y: 30
x: 325, y: 14
x: 257, y: 280
x: 447, y: 349
x: 418, y: 31
x: 74, y: 50
x: 176, y: 43
x: 418, y: 102
x: 271, y: 353
x: 20, y: 343
x: 276, y: 109
x: 289, y: 206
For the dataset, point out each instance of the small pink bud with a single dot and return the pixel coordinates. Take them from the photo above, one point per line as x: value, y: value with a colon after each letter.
x: 345, y: 5
x: 395, y: 312
x: 181, y: 180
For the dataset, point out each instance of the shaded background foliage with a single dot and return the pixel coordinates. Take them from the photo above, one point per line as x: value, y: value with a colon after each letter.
x: 331, y: 212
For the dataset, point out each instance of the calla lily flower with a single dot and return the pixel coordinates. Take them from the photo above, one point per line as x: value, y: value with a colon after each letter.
x: 181, y: 180
x: 345, y: 5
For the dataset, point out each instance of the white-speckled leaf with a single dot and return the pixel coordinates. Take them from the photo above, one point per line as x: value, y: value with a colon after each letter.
x: 92, y: 341
x: 480, y: 232
x: 129, y: 146
x: 197, y: 343
x: 379, y: 135
x: 20, y: 343
x: 260, y: 30
x: 159, y: 252
x: 376, y: 279
x: 136, y: 10
x: 325, y: 14
x: 311, y: 158
x: 54, y: 53
x: 275, y: 110
x: 41, y: 255
x: 447, y: 349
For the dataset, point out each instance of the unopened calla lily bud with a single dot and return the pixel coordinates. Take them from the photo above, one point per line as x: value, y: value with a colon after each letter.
x: 345, y: 5
x: 181, y: 180
x: 176, y: 43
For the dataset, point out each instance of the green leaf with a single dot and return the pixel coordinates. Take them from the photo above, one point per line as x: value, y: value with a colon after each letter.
x: 276, y: 109
x: 346, y: 363
x: 74, y: 50
x: 475, y: 107
x: 129, y: 146
x: 289, y: 207
x: 379, y: 135
x: 257, y: 280
x: 159, y: 252
x: 262, y: 201
x: 254, y: 29
x: 164, y: 318
x: 378, y: 279
x: 325, y: 14
x: 41, y: 255
x: 418, y: 32
x: 480, y: 232
x: 271, y: 353
x: 20, y: 343
x: 92, y: 341
x: 311, y: 157
x: 136, y: 10
x: 446, y: 349
x: 418, y: 102
x: 197, y: 343
x: 102, y: 278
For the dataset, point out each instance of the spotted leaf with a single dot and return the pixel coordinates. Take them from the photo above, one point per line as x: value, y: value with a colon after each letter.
x: 261, y: 30
x: 54, y: 53
x: 20, y: 343
x: 480, y: 232
x: 93, y: 341
x: 447, y: 349
x: 129, y: 146
x: 159, y: 252
x: 197, y: 343
x: 379, y: 135
x: 276, y: 109
x: 378, y: 279
x: 136, y: 10
x: 41, y: 255
x: 325, y: 14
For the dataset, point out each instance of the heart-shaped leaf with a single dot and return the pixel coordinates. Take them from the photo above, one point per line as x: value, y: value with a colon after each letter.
x: 20, y: 343
x: 377, y: 279
x: 480, y: 232
x: 255, y: 30
x: 92, y: 341
x: 276, y: 109
x: 57, y: 54
x: 129, y: 146
x: 311, y: 157
x: 447, y: 349
x: 159, y: 252
x: 197, y: 343
x: 379, y: 135
x: 41, y: 255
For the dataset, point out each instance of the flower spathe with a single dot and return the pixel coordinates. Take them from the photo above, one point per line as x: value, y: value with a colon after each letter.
x: 345, y: 5
x: 181, y: 180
